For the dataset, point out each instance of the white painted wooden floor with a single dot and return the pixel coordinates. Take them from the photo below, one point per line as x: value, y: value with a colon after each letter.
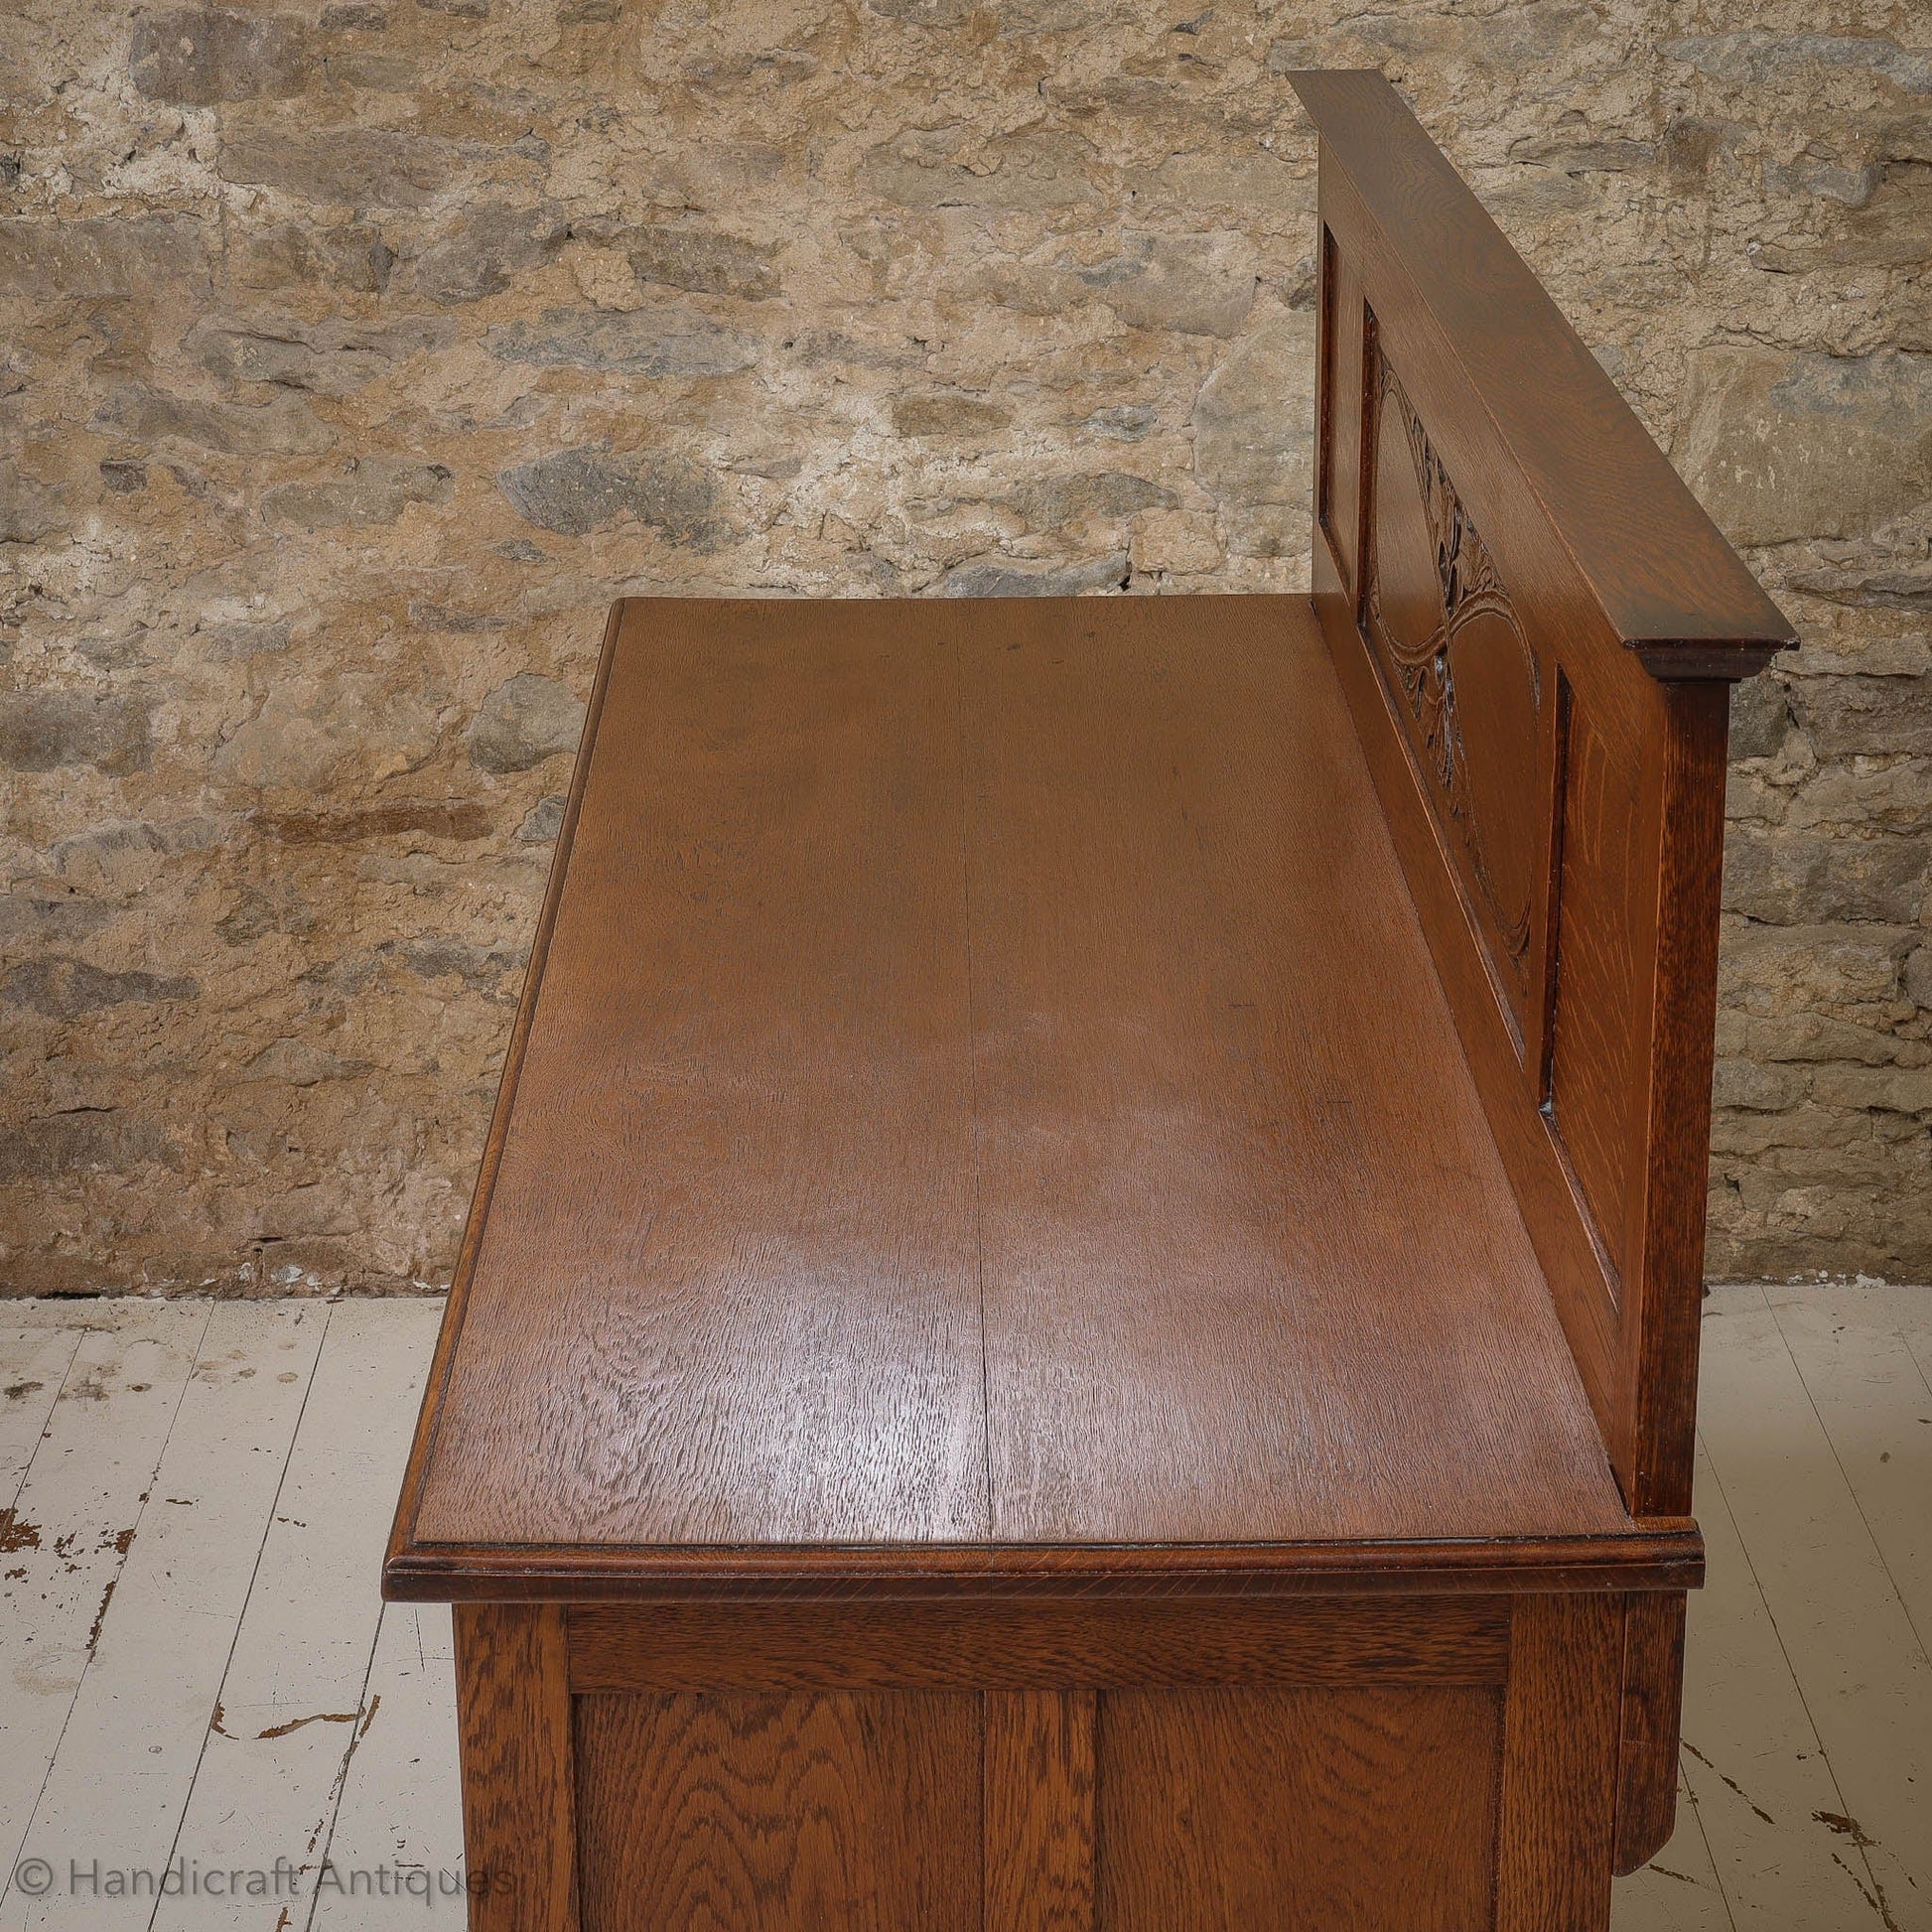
x: 198, y: 1675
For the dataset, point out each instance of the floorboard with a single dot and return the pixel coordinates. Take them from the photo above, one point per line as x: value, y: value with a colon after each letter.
x: 293, y: 1707
x: 1874, y: 1401
x: 115, y: 1793
x: 79, y: 1507
x: 1751, y: 1757
x: 401, y: 1806
x: 1843, y: 1627
x: 1679, y: 1889
x: 34, y: 1362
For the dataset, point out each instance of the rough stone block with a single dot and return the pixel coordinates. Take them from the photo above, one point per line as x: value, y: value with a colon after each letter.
x: 1033, y: 170
x: 334, y: 357
x: 200, y: 56
x: 484, y: 249
x: 989, y: 577
x: 82, y: 1143
x: 64, y: 989
x: 142, y: 414
x: 656, y: 341
x: 1782, y: 969
x: 1760, y: 714
x: 383, y: 168
x: 29, y: 510
x: 72, y: 260
x: 1795, y: 878
x: 1780, y: 446
x: 524, y: 721
x: 41, y: 731
x: 316, y: 736
x: 938, y: 418
x: 375, y: 492
x: 589, y: 488
x: 703, y: 260
x: 1917, y: 979
x: 1845, y: 716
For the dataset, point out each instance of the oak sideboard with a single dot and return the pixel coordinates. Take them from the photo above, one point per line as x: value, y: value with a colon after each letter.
x: 1081, y: 1310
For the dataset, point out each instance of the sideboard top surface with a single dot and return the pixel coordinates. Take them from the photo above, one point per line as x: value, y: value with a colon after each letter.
x: 986, y: 1085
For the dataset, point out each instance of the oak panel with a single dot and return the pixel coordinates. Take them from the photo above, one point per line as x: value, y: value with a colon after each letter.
x: 1297, y: 1811
x: 1596, y: 1044
x: 914, y: 958
x: 1468, y: 684
x: 1339, y: 402
x: 1558, y: 794
x: 779, y: 1814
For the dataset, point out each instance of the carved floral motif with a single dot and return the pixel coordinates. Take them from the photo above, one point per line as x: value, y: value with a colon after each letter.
x: 1422, y: 666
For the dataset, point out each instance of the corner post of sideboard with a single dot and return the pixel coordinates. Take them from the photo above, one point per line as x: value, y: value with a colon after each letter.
x: 1660, y: 1339
x: 513, y: 1723
x: 1649, y: 1726
x: 1556, y: 1819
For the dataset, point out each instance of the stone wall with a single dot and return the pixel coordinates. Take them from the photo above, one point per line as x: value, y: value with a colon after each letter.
x: 354, y: 356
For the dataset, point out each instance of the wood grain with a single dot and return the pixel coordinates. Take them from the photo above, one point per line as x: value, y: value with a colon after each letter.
x: 781, y: 1813
x: 1096, y: 1644
x: 1597, y: 1046
x: 1563, y: 855
x: 1662, y: 1553
x: 1560, y: 1764
x: 1039, y: 1759
x: 1467, y: 680
x: 1297, y: 1811
x: 1653, y: 1697
x: 1252, y: 1268
x: 725, y: 1290
x: 513, y: 1727
x: 955, y: 984
x: 1339, y: 402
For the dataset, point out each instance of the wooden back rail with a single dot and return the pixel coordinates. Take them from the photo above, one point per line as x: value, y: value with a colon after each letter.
x: 1537, y: 627
x: 1041, y: 1408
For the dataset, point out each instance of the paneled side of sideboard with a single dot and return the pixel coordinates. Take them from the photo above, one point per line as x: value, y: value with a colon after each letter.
x: 1445, y: 1763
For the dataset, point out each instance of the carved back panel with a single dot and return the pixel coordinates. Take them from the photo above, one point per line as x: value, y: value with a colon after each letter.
x: 1463, y: 680
x: 1536, y: 627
